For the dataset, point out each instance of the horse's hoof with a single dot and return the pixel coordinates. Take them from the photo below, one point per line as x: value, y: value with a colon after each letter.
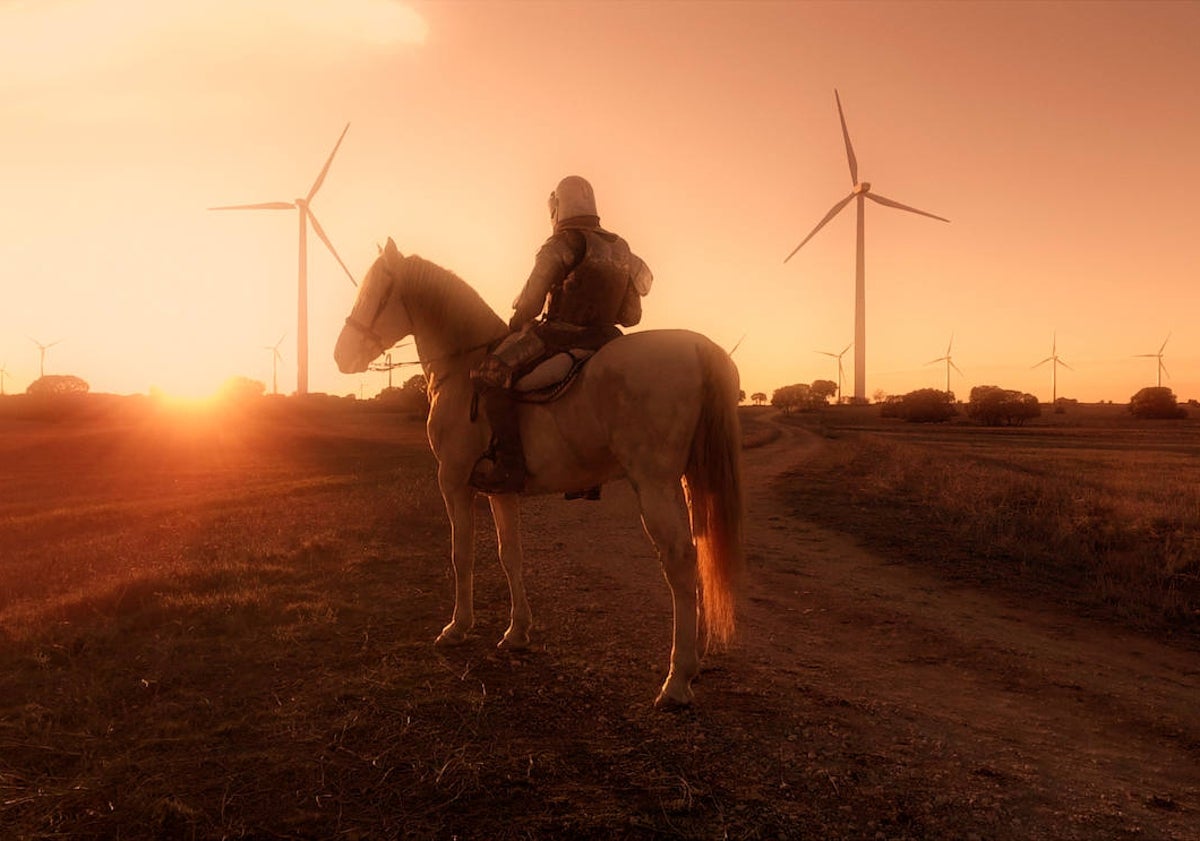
x: 513, y: 642
x: 666, y: 702
x: 451, y: 635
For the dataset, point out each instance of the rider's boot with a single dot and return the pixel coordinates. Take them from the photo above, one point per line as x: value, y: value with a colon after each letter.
x: 502, y: 468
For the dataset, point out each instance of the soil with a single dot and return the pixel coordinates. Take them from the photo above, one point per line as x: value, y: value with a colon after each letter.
x: 864, y: 699
x: 295, y: 692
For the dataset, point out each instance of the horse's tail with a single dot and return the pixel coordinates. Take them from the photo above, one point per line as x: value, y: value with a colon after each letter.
x: 714, y: 486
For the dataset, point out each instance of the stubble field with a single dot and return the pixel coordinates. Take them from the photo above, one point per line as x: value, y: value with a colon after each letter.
x: 221, y: 626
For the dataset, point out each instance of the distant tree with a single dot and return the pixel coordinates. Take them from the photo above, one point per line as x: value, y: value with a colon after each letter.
x: 879, y: 395
x: 741, y: 395
x: 416, y: 391
x: 1156, y: 403
x: 57, y: 385
x: 822, y: 390
x: 995, y: 406
x: 759, y: 398
x: 926, y: 405
x: 791, y: 398
x: 241, y: 388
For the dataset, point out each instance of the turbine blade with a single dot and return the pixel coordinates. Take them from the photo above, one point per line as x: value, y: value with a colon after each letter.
x: 1040, y: 364
x: 825, y: 353
x: 1164, y: 369
x: 1065, y: 365
x: 1164, y: 344
x: 321, y: 178
x: 939, y: 359
x: 738, y: 344
x: 891, y: 203
x: 832, y: 213
x: 955, y: 367
x: 1155, y: 355
x: 267, y: 205
x: 321, y: 233
x: 846, y: 348
x: 846, y: 136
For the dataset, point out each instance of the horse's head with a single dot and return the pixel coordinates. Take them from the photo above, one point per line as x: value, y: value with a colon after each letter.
x: 378, y: 319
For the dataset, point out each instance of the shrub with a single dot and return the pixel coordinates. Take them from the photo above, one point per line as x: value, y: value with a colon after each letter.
x: 57, y: 385
x: 1156, y: 403
x: 995, y: 406
x: 925, y: 405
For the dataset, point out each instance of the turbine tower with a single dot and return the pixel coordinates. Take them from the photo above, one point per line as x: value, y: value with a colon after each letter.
x: 306, y: 217
x: 949, y: 363
x: 3, y: 374
x: 276, y: 358
x: 1055, y: 361
x: 1162, y: 369
x: 42, y: 354
x: 861, y: 190
x: 838, y: 357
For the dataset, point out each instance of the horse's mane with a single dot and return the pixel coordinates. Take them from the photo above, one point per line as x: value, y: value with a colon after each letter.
x: 447, y: 305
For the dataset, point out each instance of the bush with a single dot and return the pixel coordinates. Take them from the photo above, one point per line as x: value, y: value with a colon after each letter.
x: 925, y: 405
x: 995, y: 406
x: 57, y: 385
x: 1156, y: 403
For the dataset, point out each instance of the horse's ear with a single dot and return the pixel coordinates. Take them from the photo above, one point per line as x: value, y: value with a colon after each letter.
x: 391, y: 250
x: 380, y: 247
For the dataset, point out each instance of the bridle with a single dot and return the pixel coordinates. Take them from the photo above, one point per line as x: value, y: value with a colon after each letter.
x: 367, y: 330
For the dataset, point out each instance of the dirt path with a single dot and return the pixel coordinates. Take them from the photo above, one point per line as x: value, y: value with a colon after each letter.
x: 870, y: 699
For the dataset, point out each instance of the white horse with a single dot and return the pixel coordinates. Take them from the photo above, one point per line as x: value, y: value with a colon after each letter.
x: 657, y: 407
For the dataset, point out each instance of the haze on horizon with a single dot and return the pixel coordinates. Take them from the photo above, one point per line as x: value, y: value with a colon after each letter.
x: 1058, y: 138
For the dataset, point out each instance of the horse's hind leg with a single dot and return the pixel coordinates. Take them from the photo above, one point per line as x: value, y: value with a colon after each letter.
x: 506, y: 512
x: 665, y: 517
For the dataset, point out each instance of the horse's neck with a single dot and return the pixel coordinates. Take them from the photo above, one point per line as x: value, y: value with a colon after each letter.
x: 452, y: 325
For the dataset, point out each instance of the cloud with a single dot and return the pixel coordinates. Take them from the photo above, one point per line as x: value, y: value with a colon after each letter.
x: 55, y: 39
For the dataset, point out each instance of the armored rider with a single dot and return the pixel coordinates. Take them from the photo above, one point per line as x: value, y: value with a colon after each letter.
x: 587, y: 281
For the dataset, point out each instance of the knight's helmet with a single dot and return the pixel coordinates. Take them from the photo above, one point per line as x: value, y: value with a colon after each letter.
x: 572, y: 197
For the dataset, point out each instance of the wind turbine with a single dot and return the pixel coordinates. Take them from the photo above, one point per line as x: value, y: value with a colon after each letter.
x: 838, y: 357
x: 1162, y: 369
x: 306, y: 217
x: 949, y: 363
x: 1055, y: 361
x: 42, y: 354
x: 3, y: 374
x: 861, y: 191
x: 276, y: 358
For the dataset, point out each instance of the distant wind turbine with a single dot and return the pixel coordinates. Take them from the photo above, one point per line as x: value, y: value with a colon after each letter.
x: 276, y: 358
x: 1055, y: 361
x: 3, y: 374
x: 306, y: 217
x: 42, y: 354
x: 838, y: 357
x: 949, y: 363
x: 862, y: 190
x: 1162, y: 369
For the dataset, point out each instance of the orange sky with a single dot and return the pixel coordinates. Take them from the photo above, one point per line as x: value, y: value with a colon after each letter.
x: 1061, y: 140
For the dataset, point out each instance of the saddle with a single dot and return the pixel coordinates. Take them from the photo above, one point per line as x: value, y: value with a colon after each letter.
x: 551, y: 377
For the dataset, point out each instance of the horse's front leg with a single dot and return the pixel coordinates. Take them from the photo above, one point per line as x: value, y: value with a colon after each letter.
x: 459, y: 501
x: 506, y: 511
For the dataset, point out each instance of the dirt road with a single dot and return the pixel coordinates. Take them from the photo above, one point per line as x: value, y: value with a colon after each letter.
x: 864, y: 699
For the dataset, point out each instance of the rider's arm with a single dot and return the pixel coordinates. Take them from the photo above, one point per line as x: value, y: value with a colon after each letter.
x: 555, y: 260
x: 631, y: 307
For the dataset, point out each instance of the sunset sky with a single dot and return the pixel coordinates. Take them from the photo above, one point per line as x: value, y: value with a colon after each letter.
x: 1061, y: 140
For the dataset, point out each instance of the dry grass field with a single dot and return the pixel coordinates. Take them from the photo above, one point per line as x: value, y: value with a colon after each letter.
x: 1091, y: 509
x: 220, y: 626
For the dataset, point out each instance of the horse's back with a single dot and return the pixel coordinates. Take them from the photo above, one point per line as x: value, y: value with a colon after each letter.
x: 635, y: 406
